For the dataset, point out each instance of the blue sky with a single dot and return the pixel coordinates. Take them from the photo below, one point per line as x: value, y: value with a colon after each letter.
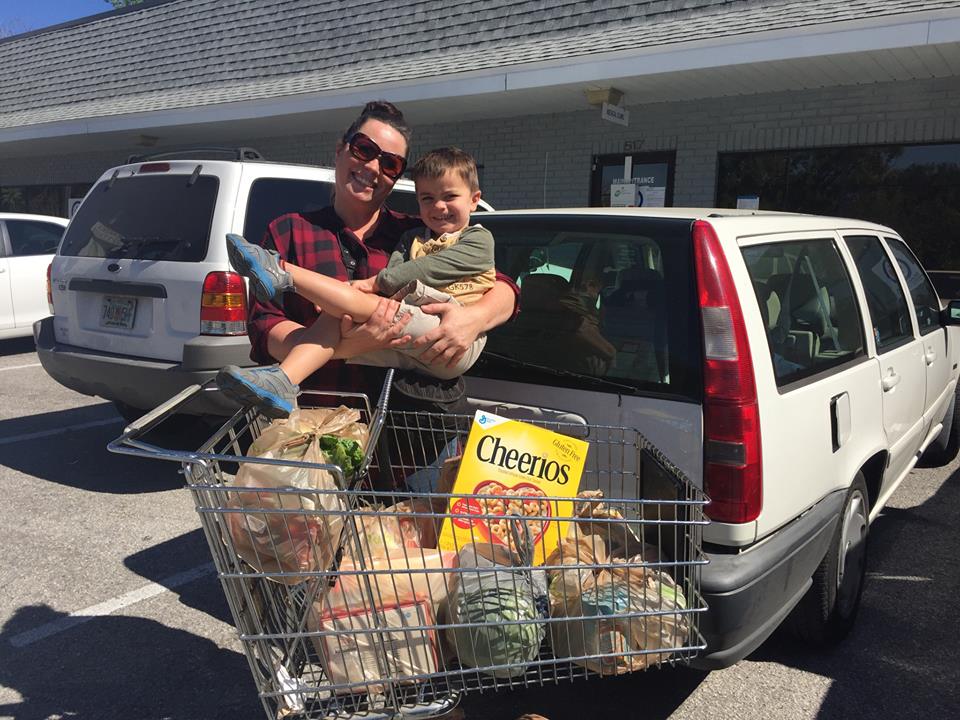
x: 24, y: 15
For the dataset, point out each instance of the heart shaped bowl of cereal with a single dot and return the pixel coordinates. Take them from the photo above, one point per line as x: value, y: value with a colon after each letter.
x: 521, y: 501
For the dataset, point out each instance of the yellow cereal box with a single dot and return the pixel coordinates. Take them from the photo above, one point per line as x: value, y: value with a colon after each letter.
x: 512, y: 468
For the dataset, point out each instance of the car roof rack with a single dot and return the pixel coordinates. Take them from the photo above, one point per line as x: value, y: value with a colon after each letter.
x: 194, y: 153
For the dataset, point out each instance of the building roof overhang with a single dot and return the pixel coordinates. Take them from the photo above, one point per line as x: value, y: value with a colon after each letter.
x: 874, y: 49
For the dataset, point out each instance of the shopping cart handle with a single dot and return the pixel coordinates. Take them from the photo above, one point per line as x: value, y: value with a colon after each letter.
x: 142, y: 424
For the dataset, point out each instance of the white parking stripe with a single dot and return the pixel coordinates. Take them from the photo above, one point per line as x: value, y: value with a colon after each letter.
x: 20, y: 367
x: 110, y: 606
x: 57, y: 431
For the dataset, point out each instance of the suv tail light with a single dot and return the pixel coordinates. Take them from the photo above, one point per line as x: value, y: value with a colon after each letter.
x: 50, y: 288
x: 733, y: 476
x: 223, y: 307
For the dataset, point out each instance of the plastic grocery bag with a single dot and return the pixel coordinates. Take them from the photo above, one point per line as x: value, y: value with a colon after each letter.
x: 390, y: 530
x: 620, y: 609
x: 401, y: 647
x: 266, y: 535
x: 508, y: 602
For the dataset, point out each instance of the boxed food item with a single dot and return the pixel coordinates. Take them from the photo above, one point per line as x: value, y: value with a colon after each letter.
x: 508, y: 469
x: 368, y: 647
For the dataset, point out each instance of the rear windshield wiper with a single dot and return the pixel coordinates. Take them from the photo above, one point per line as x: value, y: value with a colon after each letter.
x: 497, y: 359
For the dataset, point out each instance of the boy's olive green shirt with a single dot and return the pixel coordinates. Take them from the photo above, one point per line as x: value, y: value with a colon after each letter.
x: 459, y: 264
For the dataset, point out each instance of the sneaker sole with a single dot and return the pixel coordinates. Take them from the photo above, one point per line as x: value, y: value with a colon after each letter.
x: 247, y: 393
x: 262, y: 281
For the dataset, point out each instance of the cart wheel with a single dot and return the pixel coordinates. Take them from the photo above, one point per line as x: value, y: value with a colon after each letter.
x: 826, y: 614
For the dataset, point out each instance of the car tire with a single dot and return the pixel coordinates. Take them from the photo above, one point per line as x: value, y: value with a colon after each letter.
x: 826, y: 614
x: 944, y: 447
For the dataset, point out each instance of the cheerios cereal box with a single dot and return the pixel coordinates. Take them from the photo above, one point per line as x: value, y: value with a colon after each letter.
x: 512, y: 470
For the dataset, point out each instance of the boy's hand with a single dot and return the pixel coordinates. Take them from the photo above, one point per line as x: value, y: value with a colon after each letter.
x: 377, y: 333
x: 367, y: 285
x: 459, y: 327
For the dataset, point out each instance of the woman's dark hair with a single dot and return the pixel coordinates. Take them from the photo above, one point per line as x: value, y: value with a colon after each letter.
x: 385, y: 112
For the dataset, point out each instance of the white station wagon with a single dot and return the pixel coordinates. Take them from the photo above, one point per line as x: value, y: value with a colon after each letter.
x: 796, y: 367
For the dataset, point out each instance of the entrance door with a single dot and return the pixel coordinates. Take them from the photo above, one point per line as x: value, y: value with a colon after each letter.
x: 652, y: 174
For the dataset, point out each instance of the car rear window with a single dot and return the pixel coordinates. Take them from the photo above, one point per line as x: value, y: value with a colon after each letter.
x: 145, y: 217
x: 605, y: 303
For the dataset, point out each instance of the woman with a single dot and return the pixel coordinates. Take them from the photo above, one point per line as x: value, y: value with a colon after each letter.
x: 353, y: 239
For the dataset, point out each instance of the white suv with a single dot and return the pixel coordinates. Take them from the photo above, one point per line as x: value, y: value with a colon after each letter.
x: 144, y: 300
x: 796, y: 367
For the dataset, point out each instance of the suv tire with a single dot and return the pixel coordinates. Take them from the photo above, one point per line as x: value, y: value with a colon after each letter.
x: 944, y: 447
x: 826, y: 614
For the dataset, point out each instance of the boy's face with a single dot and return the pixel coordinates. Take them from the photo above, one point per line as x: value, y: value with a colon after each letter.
x: 446, y: 202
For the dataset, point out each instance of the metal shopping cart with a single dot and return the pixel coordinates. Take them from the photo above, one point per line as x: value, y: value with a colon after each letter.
x: 373, y: 621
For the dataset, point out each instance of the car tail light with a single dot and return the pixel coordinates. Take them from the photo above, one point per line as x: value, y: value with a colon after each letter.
x: 732, y: 471
x: 223, y: 307
x: 50, y: 288
x: 155, y: 167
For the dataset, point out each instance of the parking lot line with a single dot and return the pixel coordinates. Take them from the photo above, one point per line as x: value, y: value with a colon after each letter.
x: 110, y: 606
x: 20, y: 367
x: 56, y: 431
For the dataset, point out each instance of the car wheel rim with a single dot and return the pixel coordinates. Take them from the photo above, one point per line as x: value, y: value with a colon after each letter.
x: 853, y: 536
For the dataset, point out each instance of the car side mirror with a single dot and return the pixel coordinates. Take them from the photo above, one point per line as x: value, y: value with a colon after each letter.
x: 950, y: 315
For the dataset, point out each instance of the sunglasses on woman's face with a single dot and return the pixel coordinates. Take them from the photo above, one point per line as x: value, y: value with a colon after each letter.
x: 365, y: 150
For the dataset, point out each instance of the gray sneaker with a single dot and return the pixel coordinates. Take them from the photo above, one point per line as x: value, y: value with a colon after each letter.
x: 266, y: 388
x: 268, y: 280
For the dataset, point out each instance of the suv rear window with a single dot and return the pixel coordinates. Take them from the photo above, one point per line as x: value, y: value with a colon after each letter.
x: 145, y: 217
x: 605, y: 303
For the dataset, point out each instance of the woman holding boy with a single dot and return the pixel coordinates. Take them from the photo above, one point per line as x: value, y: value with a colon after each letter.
x: 354, y: 239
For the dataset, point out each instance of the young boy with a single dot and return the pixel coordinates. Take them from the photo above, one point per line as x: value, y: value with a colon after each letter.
x: 446, y: 261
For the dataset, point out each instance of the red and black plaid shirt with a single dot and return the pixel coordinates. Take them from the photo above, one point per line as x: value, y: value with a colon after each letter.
x: 309, y: 240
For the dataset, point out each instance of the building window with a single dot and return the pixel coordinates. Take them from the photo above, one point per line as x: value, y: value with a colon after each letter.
x: 40, y: 199
x: 915, y: 189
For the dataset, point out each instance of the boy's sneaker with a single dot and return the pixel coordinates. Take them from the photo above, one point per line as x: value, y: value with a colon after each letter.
x: 266, y: 388
x: 262, y: 266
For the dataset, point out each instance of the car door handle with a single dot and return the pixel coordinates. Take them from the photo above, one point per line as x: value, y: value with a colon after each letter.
x: 929, y: 356
x: 890, y: 381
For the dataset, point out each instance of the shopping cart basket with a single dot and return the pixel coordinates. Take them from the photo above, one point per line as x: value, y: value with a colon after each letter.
x: 378, y: 623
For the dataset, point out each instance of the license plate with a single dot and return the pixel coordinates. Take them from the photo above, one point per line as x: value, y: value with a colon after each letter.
x: 118, y: 312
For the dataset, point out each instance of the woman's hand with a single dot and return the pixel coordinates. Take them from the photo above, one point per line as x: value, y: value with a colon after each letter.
x: 459, y: 327
x: 378, y: 332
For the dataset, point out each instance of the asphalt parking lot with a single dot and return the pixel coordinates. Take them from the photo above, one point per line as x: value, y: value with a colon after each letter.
x: 110, y: 608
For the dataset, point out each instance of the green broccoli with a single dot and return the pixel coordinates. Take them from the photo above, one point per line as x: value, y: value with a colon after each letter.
x: 343, y: 452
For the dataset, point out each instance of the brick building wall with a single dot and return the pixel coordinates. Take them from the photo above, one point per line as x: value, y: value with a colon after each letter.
x: 545, y: 160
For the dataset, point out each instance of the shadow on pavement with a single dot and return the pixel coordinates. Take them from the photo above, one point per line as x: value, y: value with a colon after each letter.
x: 168, y: 559
x: 17, y: 346
x: 38, y: 445
x: 650, y: 695
x: 120, y: 667
x: 902, y: 657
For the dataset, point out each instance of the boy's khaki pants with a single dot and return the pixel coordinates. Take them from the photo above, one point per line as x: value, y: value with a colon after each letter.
x: 411, y: 298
